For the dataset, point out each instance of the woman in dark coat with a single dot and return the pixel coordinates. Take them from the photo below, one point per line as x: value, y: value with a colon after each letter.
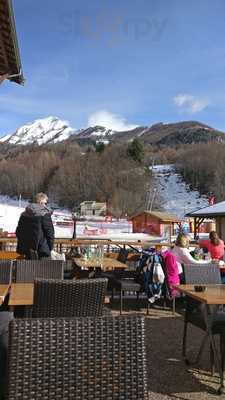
x: 35, y: 231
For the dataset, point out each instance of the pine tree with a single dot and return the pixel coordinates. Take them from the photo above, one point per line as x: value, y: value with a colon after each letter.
x: 99, y: 147
x: 136, y: 150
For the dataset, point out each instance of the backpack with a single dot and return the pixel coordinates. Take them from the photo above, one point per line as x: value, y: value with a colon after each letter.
x: 151, y: 275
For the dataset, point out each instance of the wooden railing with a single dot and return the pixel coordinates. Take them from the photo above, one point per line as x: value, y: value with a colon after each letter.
x: 63, y: 245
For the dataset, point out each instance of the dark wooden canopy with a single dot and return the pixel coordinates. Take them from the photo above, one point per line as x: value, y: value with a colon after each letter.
x: 10, y: 64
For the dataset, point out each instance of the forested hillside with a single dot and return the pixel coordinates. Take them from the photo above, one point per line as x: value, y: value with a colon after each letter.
x: 203, y: 166
x: 71, y: 175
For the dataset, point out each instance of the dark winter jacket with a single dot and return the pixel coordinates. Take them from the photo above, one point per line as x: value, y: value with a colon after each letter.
x: 35, y: 231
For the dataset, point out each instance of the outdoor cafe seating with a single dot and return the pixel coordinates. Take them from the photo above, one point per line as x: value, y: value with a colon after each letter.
x: 52, y: 298
x: 134, y: 280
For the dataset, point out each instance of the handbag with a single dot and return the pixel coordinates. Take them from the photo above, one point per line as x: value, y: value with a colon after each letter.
x: 158, y: 274
x: 57, y: 256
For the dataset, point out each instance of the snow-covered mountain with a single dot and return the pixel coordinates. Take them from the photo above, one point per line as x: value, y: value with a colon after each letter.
x: 165, y: 134
x: 46, y: 130
x: 53, y: 130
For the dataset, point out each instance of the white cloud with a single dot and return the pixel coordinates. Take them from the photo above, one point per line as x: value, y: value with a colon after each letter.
x: 191, y: 104
x: 109, y: 120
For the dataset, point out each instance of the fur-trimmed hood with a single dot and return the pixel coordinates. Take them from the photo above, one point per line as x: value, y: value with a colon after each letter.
x: 36, y: 210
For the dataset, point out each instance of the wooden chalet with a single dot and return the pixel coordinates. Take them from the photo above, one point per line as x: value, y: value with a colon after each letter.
x: 10, y: 64
x: 156, y: 223
x: 92, y: 208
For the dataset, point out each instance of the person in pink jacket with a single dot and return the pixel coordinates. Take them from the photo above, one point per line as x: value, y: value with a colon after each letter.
x: 214, y: 245
x: 172, y: 272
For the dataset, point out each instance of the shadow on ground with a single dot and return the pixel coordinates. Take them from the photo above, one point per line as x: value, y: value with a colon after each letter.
x: 168, y: 376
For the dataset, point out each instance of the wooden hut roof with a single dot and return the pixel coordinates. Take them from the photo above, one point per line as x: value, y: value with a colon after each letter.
x: 10, y: 64
x: 162, y: 216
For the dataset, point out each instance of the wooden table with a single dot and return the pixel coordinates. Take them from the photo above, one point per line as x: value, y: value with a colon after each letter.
x: 3, y: 292
x: 106, y: 264
x: 214, y: 294
x: 21, y: 294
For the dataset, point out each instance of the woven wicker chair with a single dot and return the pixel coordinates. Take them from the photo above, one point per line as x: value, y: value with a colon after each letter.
x: 202, y: 274
x: 78, y: 298
x: 28, y: 270
x: 197, y: 274
x: 5, y: 271
x: 77, y: 358
x: 5, y: 318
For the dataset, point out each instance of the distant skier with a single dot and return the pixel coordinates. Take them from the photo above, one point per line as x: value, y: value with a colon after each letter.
x: 212, y: 199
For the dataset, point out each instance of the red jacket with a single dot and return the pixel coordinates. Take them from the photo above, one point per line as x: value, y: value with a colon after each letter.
x: 217, y: 252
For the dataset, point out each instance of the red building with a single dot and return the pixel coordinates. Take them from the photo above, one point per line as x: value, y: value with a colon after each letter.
x: 155, y: 223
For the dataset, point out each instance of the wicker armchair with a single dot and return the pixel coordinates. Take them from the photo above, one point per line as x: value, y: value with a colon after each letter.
x: 78, y: 298
x: 28, y: 270
x: 5, y: 318
x: 202, y: 274
x: 197, y: 274
x: 77, y: 358
x: 6, y: 271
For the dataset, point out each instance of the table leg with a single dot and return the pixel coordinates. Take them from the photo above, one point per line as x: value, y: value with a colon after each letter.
x: 208, y: 315
x: 204, y: 340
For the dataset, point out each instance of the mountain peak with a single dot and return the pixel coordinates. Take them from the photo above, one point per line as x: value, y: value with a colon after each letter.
x: 44, y: 130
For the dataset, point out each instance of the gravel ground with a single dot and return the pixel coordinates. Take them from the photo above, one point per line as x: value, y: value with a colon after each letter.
x: 168, y: 376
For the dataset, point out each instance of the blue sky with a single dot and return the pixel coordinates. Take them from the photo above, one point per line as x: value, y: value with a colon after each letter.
x: 118, y: 62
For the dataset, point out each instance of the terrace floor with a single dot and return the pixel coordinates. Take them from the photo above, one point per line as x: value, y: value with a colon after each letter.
x: 168, y: 376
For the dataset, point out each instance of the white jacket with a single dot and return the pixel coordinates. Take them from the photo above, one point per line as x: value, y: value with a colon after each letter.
x: 183, y: 256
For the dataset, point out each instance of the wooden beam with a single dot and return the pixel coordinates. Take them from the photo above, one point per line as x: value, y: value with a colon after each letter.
x: 197, y: 223
x: 3, y: 52
x: 9, y: 52
x: 195, y: 228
